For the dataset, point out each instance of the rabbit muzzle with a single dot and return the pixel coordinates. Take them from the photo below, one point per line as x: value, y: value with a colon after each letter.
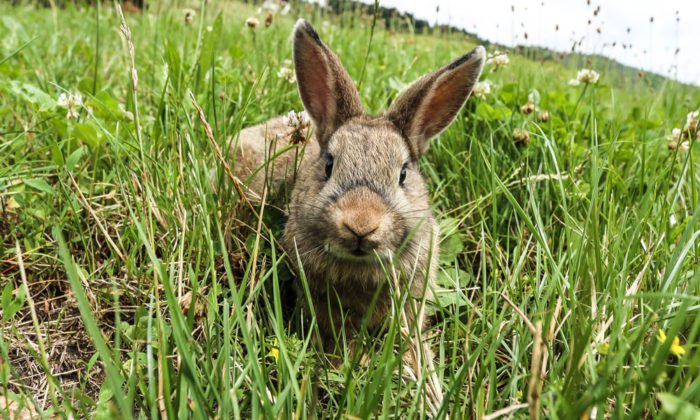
x: 362, y: 223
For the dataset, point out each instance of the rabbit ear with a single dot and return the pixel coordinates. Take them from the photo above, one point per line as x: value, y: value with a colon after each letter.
x: 327, y: 91
x: 430, y: 104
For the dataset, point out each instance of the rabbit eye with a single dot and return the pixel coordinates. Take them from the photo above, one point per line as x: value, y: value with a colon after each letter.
x: 402, y: 176
x: 329, y: 166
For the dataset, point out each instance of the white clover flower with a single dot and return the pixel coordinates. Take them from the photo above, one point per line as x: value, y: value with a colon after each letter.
x: 521, y: 136
x: 189, y: 16
x: 676, y: 133
x: 481, y: 89
x: 72, y: 114
x: 286, y: 72
x: 528, y: 108
x: 299, y: 122
x: 498, y: 59
x: 286, y: 9
x: 270, y: 6
x: 62, y: 100
x: 587, y: 76
x: 296, y: 120
x: 252, y: 22
x: 70, y: 101
x: 691, y: 121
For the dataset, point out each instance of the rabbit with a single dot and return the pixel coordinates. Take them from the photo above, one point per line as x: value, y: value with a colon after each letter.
x: 359, y: 204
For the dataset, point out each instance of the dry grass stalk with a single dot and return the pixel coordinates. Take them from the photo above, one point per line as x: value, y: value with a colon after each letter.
x: 525, y: 319
x: 237, y: 183
x: 537, y: 366
x: 504, y: 411
x: 100, y: 225
x: 126, y: 33
x: 35, y: 322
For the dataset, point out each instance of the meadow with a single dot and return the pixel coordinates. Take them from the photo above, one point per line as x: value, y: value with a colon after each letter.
x: 133, y: 284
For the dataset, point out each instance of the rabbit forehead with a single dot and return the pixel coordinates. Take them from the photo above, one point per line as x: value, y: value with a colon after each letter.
x: 369, y: 144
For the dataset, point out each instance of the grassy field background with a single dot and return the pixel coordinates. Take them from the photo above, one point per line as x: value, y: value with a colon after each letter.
x: 131, y: 286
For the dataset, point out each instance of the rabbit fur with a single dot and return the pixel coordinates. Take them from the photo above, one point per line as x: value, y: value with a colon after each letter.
x: 359, y: 205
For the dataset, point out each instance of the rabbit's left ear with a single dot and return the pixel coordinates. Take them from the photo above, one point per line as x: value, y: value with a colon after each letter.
x: 430, y: 104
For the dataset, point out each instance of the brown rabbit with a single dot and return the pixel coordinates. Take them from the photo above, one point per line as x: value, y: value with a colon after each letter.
x: 359, y: 206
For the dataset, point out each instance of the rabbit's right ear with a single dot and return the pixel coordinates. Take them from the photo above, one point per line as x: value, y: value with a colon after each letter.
x: 327, y: 91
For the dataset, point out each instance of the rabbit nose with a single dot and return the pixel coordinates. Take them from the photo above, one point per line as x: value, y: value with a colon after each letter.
x: 360, y: 230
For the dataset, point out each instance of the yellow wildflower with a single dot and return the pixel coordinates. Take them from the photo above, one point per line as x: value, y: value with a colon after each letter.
x: 676, y: 347
x: 274, y: 351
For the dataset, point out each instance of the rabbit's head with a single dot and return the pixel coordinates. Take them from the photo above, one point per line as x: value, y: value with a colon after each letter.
x: 363, y: 194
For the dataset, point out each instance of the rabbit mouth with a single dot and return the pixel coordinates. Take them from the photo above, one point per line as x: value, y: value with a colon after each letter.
x: 354, y: 254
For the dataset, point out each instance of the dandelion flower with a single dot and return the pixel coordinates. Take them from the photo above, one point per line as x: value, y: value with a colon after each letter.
x: 498, y: 59
x: 676, y: 347
x: 587, y: 76
x: 252, y: 22
x: 481, y: 89
x: 70, y: 101
x: 274, y: 351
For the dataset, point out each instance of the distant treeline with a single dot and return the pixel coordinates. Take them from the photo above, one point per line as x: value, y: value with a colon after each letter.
x: 138, y: 4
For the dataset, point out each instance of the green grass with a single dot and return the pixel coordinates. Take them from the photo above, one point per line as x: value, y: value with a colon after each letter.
x: 133, y: 286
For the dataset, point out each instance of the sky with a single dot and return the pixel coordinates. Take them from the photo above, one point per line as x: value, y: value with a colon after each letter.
x: 675, y: 26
